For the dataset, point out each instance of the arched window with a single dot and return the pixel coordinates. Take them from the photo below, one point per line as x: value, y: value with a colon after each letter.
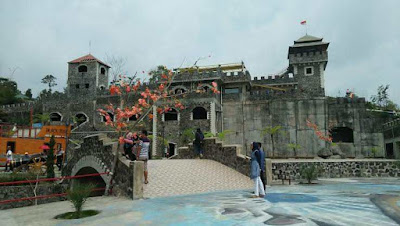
x: 179, y: 91
x: 342, y: 134
x: 134, y: 118
x: 81, y: 118
x: 102, y: 87
x: 103, y: 71
x: 55, y: 117
x: 171, y: 115
x: 199, y: 113
x: 82, y: 68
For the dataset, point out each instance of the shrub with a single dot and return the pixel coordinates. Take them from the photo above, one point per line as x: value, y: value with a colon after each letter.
x: 187, y: 136
x: 78, y: 195
x: 309, y: 173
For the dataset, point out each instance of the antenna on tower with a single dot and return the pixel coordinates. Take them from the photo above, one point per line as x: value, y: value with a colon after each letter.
x: 90, y: 46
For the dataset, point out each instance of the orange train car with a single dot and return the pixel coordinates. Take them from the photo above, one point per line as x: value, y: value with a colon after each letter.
x: 27, y: 139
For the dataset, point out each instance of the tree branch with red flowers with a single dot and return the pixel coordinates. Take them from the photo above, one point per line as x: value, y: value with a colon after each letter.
x: 145, y: 96
x: 321, y: 135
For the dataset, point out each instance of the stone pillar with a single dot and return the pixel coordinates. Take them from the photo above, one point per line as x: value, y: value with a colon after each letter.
x: 268, y: 171
x: 154, y: 146
x: 138, y: 178
x: 213, y: 118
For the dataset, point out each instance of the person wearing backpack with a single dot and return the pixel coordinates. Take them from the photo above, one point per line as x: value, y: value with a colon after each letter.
x: 199, y: 142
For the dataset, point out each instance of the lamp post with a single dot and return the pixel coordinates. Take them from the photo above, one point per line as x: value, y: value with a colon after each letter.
x: 163, y: 143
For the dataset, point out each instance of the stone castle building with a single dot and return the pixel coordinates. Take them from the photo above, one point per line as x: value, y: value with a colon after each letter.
x: 245, y: 106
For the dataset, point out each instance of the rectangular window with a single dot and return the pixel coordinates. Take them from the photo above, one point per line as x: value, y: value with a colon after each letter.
x: 308, y: 70
x: 77, y: 86
x: 87, y: 85
x: 232, y: 90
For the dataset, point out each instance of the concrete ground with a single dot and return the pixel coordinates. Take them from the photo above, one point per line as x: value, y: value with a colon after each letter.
x: 191, y: 176
x: 331, y: 202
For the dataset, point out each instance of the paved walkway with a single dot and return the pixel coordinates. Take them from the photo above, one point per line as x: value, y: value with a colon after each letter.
x: 356, y: 201
x: 191, y: 176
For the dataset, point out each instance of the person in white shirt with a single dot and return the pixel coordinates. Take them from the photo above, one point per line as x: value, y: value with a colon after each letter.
x: 9, y: 161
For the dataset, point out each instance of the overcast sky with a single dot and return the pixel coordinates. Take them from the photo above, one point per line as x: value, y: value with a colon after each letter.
x: 40, y: 37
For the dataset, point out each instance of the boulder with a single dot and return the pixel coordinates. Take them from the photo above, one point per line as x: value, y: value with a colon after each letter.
x: 336, y: 150
x: 324, y: 153
x: 335, y: 157
x: 347, y: 149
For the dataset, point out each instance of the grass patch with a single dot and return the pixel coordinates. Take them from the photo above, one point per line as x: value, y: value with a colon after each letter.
x: 75, y: 215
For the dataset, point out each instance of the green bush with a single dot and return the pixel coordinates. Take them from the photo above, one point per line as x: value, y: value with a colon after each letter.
x: 17, y: 177
x: 309, y: 173
x: 187, y: 136
x: 78, y: 195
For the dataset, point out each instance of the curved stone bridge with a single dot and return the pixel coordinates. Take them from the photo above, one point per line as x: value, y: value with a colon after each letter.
x: 96, y: 155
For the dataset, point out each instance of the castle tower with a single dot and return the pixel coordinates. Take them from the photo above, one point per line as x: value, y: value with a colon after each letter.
x: 85, y: 75
x: 308, y: 58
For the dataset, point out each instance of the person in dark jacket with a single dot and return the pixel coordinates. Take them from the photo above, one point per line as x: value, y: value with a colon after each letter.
x: 198, y: 142
x: 255, y: 172
x: 261, y: 161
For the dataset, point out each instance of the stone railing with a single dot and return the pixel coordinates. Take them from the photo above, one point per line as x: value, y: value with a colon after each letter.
x: 228, y: 155
x: 338, y: 168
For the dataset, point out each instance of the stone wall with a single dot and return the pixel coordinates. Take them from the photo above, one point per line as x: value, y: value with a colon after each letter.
x: 249, y: 117
x: 338, y: 168
x: 23, y: 191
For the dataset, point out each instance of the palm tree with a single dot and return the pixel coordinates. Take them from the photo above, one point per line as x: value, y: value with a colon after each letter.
x: 294, y: 147
x: 42, y: 118
x: 271, y: 131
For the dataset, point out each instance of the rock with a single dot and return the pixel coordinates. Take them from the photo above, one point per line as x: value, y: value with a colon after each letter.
x: 360, y: 156
x: 324, y: 153
x: 336, y: 150
x: 335, y: 157
x: 347, y: 149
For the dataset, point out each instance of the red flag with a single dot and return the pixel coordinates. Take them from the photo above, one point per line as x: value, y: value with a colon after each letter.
x: 304, y: 22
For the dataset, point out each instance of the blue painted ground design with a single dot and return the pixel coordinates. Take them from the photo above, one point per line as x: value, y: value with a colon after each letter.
x: 327, y: 204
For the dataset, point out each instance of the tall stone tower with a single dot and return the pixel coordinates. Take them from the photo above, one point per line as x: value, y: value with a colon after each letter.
x: 85, y: 75
x: 308, y: 58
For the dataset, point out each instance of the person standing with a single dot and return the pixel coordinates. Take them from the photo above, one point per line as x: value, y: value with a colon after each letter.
x: 60, y: 156
x: 261, y: 161
x: 144, y: 145
x: 255, y: 172
x: 9, y: 155
x: 198, y: 142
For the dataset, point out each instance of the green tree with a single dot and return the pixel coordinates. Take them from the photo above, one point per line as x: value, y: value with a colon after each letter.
x: 187, y: 136
x: 157, y: 73
x: 50, y: 158
x: 28, y: 93
x: 78, y: 195
x: 8, y: 91
x: 50, y: 80
x: 294, y: 147
x: 271, y: 131
x: 42, y: 118
x: 309, y: 173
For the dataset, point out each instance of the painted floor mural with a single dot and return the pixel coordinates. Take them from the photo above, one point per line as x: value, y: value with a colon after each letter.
x: 333, y: 202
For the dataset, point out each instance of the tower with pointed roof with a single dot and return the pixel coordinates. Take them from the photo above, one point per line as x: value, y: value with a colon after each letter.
x: 308, y: 57
x: 86, y: 75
